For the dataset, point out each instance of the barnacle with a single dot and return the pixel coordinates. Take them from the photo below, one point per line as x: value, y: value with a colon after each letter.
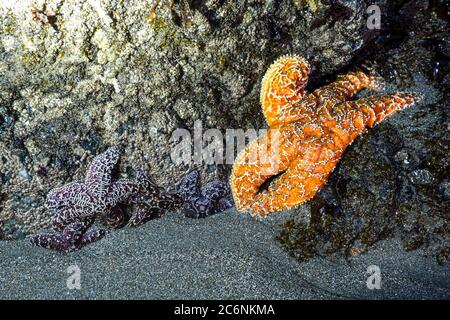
x: 186, y: 13
x: 313, y: 4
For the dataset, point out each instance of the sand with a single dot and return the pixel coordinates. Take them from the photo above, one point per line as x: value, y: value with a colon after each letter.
x: 227, y: 256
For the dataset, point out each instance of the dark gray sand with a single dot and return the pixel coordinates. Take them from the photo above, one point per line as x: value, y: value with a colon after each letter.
x: 227, y: 256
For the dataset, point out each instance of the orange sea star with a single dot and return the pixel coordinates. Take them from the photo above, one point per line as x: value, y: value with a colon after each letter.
x: 307, y: 135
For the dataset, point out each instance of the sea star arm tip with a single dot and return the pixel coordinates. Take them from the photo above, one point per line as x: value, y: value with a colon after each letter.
x: 283, y: 86
x: 188, y: 186
x: 98, y: 175
x: 369, y: 111
x: 71, y: 239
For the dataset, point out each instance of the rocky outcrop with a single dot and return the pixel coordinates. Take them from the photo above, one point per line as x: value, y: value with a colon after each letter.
x: 77, y: 76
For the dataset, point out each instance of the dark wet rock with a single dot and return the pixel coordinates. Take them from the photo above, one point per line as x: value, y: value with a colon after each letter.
x: 421, y: 177
x: 393, y: 181
x: 407, y: 159
x: 10, y: 230
x: 444, y: 189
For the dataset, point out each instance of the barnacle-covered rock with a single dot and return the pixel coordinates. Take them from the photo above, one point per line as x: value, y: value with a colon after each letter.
x: 78, y: 75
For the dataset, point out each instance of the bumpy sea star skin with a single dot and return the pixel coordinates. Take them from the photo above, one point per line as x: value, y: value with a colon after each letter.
x: 307, y: 136
x: 116, y: 217
x: 97, y: 193
x: 78, y: 203
x: 73, y: 237
x: 152, y: 203
x: 210, y: 199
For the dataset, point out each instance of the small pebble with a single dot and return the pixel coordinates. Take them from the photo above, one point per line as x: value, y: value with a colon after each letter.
x: 421, y: 177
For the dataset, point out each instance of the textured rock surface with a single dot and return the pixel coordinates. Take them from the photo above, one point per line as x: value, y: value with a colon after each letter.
x: 76, y: 76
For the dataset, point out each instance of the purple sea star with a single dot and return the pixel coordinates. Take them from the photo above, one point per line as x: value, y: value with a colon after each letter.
x: 152, y: 203
x: 78, y: 203
x: 200, y: 202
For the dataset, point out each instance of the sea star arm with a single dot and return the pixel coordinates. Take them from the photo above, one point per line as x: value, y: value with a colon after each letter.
x: 301, y: 180
x: 367, y: 112
x: 147, y: 183
x: 225, y: 203
x: 120, y: 191
x: 151, y: 206
x: 283, y: 97
x: 221, y: 199
x: 92, y: 236
x: 148, y: 187
x: 52, y: 241
x: 347, y: 86
x: 189, y: 185
x: 65, y: 196
x: 65, y: 216
x: 164, y: 201
x: 215, y: 191
x: 263, y: 158
x: 142, y: 215
x: 282, y: 87
x: 73, y: 237
x: 98, y: 176
x: 115, y: 217
x: 310, y: 171
x: 213, y: 198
